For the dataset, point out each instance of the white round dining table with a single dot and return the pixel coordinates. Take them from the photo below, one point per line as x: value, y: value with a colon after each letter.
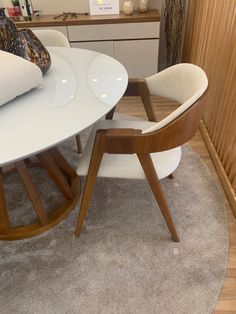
x: 81, y: 87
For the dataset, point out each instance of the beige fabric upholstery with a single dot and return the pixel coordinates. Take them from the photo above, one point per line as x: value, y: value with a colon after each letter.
x: 127, y: 166
x: 183, y: 82
x: 52, y: 38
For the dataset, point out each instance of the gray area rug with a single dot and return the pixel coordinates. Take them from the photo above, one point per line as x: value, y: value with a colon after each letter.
x: 124, y: 261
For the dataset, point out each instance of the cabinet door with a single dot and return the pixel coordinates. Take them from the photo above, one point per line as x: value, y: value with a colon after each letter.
x: 105, y: 47
x: 113, y: 31
x: 140, y: 57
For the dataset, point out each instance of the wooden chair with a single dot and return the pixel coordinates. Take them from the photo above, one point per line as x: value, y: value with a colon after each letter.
x: 53, y: 38
x: 113, y: 144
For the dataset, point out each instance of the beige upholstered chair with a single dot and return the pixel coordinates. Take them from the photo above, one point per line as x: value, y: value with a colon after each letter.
x: 52, y: 38
x: 135, y: 149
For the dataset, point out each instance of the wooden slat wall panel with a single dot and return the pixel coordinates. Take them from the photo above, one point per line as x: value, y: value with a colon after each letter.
x: 211, y: 43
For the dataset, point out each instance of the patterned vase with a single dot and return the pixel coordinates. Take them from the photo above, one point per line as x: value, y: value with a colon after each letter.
x: 7, y: 27
x: 25, y: 44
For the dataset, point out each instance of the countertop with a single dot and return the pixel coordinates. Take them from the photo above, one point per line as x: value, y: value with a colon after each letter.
x: 49, y: 20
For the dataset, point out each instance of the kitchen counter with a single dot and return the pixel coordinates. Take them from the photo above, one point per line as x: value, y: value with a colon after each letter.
x: 49, y: 20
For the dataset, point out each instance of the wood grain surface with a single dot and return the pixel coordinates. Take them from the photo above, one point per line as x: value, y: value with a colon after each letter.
x: 210, y: 42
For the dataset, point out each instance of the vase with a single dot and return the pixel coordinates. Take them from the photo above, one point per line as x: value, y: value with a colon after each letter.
x: 25, y: 43
x: 143, y: 5
x: 7, y: 27
x: 128, y: 7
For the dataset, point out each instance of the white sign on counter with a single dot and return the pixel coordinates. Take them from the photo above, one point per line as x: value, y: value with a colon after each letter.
x: 100, y: 7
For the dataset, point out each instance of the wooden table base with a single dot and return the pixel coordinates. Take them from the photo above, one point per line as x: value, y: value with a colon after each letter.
x: 63, y: 176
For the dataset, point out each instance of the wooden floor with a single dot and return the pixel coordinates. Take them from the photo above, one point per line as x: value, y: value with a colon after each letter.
x: 227, y: 299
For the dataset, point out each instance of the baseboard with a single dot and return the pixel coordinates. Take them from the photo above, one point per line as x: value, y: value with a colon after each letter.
x: 229, y: 191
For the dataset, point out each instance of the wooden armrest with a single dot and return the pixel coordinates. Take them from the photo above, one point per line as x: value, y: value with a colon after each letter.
x: 131, y: 90
x: 134, y: 87
x: 116, y: 141
x: 120, y: 133
x: 138, y: 87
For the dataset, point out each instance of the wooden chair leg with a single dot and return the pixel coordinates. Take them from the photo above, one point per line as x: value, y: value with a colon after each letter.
x: 155, y: 185
x: 94, y: 165
x: 32, y: 192
x: 78, y: 143
x: 110, y: 114
x: 4, y: 222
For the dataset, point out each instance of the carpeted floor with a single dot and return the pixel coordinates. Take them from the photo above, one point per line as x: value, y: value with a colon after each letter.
x: 124, y: 261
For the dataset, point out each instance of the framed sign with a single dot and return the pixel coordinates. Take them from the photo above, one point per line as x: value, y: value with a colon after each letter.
x: 100, y: 7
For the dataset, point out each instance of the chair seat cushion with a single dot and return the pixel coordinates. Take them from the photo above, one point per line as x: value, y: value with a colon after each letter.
x: 127, y: 166
x: 17, y: 76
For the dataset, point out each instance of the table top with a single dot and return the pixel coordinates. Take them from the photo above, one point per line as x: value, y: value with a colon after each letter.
x: 80, y: 88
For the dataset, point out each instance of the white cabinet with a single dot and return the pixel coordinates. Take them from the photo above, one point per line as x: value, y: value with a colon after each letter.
x: 135, y: 45
x: 105, y: 47
x: 114, y: 31
x: 139, y: 57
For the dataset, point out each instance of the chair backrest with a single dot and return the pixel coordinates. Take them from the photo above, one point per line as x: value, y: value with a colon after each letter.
x: 52, y: 38
x: 184, y: 83
x: 174, y: 134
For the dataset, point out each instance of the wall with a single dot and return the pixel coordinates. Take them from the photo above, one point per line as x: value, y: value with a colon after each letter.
x: 55, y: 6
x: 210, y: 42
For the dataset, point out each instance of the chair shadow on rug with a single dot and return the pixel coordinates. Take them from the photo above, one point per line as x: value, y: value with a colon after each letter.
x: 113, y: 144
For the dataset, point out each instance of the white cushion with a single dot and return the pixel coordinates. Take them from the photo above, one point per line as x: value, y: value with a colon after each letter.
x: 51, y: 38
x: 184, y: 82
x: 127, y: 166
x: 17, y: 76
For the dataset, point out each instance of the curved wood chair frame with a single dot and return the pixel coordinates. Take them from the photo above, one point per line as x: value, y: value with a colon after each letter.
x: 131, y: 141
